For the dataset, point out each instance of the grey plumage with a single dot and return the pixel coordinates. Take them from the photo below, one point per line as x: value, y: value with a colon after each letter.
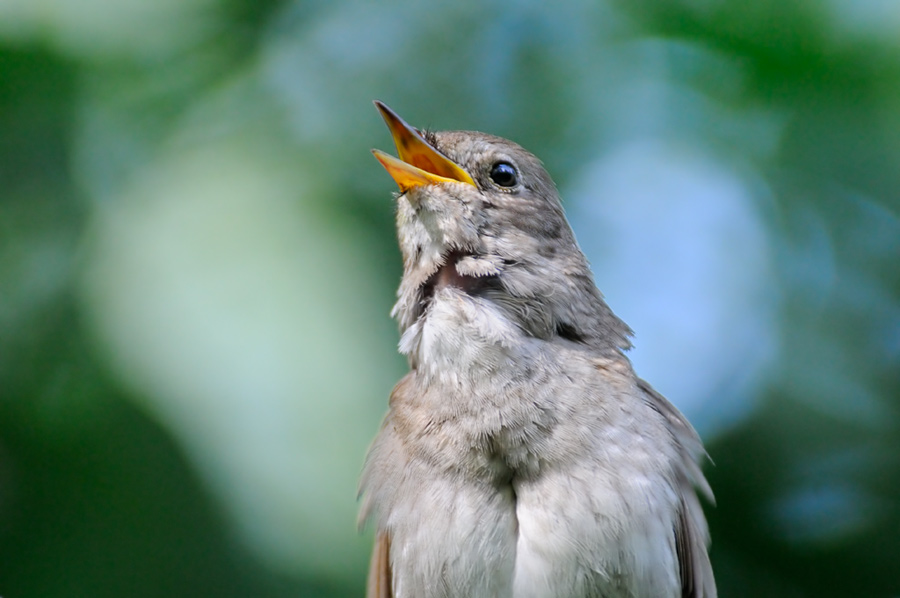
x: 521, y: 456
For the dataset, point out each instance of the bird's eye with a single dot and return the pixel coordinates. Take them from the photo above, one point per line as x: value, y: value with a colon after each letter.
x: 504, y: 174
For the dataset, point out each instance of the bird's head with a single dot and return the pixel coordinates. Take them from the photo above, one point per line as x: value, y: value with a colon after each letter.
x: 480, y: 214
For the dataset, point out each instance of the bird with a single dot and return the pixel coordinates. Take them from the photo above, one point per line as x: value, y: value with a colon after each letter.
x: 521, y: 456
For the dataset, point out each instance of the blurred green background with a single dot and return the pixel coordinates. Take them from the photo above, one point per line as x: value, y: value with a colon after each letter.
x: 197, y: 260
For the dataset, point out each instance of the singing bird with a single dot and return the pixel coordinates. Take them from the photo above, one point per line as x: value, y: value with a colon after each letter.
x: 521, y: 456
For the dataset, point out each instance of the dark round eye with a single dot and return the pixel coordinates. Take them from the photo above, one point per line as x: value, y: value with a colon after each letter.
x: 504, y: 174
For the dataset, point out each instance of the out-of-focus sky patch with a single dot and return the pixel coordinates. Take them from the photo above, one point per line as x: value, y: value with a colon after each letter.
x: 680, y: 250
x: 861, y: 20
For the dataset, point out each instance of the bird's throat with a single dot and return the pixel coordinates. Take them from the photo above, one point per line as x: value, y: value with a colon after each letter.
x: 448, y: 276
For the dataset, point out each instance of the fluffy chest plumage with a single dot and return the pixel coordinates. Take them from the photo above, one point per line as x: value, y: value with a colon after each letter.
x: 502, y: 471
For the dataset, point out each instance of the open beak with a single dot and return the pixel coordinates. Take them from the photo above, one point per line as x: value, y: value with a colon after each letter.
x: 419, y: 163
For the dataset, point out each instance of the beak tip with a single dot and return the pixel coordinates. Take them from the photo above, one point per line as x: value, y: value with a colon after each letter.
x: 386, y: 113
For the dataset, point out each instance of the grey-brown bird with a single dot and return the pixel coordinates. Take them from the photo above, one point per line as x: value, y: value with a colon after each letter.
x: 521, y: 456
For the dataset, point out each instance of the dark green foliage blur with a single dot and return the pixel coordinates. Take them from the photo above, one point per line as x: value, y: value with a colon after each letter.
x: 197, y: 261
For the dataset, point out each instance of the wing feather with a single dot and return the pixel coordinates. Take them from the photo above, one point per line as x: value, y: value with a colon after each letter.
x: 379, y: 583
x: 691, y: 530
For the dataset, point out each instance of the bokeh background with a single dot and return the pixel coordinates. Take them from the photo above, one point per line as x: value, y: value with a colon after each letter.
x: 197, y: 261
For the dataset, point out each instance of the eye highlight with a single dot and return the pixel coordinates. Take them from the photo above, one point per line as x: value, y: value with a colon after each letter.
x: 504, y: 174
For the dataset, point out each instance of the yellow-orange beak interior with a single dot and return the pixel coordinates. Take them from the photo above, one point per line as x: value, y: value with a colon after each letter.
x: 419, y: 163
